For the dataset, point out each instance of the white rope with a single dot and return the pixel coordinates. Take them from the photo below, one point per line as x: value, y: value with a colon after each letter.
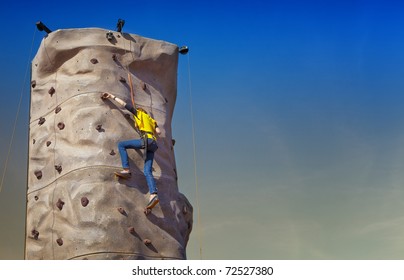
x: 17, y: 114
x: 195, y: 161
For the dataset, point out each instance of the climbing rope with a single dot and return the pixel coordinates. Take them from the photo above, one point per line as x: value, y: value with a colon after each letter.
x: 195, y: 161
x: 132, y: 92
x: 17, y: 113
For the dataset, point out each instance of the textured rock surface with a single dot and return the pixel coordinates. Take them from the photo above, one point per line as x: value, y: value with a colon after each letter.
x: 76, y: 208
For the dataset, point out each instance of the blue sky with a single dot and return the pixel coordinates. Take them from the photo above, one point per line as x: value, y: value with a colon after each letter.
x: 298, y: 120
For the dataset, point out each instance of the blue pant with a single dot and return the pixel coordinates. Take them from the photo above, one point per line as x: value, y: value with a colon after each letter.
x: 148, y: 163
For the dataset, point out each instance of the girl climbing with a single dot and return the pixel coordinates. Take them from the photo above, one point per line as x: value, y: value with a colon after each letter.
x: 148, y: 129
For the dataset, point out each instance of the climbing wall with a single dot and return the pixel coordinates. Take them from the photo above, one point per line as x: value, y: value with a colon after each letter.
x: 76, y: 208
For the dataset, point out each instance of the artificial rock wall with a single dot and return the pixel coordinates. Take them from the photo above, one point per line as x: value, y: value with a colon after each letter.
x: 76, y: 208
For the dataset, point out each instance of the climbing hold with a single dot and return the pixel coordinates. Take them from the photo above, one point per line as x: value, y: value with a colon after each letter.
x: 58, y: 109
x: 59, y: 241
x: 173, y: 141
x: 147, y: 241
x: 122, y: 211
x: 84, y: 201
x: 59, y: 204
x: 112, y: 153
x: 132, y: 230
x: 166, y: 100
x: 48, y: 143
x: 33, y: 84
x: 35, y: 234
x: 115, y: 57
x: 94, y: 61
x: 99, y: 128
x: 58, y: 168
x: 184, y: 210
x: 61, y: 126
x: 122, y: 80
x: 51, y: 91
x: 110, y: 36
x: 33, y: 141
x: 38, y: 174
x: 36, y: 197
x: 41, y: 121
x: 144, y: 86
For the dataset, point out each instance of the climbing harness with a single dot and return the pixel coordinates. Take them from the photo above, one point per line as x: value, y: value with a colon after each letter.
x: 145, y: 146
x: 17, y: 114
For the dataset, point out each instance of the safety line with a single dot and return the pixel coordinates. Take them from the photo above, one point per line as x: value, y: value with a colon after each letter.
x: 132, y: 94
x: 18, y: 112
x: 195, y: 161
x: 132, y: 91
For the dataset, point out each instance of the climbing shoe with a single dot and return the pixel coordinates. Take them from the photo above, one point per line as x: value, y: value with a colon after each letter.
x: 123, y: 174
x: 153, y: 202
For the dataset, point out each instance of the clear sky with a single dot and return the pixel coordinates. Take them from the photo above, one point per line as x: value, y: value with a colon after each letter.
x: 298, y: 120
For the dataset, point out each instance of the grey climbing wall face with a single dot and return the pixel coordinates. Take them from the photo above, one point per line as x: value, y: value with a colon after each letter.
x: 76, y: 208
